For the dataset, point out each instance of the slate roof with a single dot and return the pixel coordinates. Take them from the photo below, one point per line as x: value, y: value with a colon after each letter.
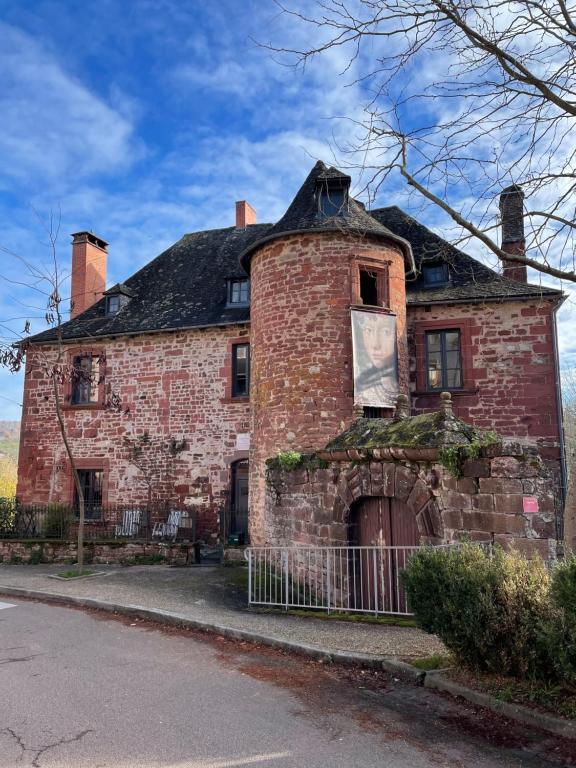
x: 304, y: 215
x: 470, y: 280
x: 185, y: 286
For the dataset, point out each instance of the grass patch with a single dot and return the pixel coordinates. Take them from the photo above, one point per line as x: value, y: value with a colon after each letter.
x: 428, y: 663
x: 357, y: 618
x: 148, y: 559
x: 75, y: 574
x: 553, y: 699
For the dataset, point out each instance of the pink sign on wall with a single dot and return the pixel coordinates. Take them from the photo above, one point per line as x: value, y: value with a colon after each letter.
x: 530, y: 504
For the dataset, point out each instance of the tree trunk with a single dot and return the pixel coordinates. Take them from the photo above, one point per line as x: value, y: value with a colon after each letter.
x: 77, y: 484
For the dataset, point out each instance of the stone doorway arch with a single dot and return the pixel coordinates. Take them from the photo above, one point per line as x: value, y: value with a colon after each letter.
x: 391, y: 480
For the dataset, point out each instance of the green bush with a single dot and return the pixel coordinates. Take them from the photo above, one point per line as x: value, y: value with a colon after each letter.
x: 7, y: 515
x: 58, y: 521
x: 563, y: 587
x: 559, y: 634
x: 489, y: 610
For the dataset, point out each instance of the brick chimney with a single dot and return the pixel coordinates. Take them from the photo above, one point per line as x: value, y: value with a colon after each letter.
x: 513, y: 242
x: 89, y: 255
x: 245, y: 214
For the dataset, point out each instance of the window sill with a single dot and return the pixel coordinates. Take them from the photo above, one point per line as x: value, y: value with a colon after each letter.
x: 82, y: 406
x: 438, y: 392
x: 235, y: 400
x: 372, y: 308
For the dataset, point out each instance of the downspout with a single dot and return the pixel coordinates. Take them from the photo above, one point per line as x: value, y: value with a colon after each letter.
x: 563, y: 468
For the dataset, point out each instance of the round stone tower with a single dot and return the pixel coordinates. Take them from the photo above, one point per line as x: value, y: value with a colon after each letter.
x: 325, y: 260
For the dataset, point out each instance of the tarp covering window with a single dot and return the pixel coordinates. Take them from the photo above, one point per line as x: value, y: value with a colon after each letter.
x: 375, y: 359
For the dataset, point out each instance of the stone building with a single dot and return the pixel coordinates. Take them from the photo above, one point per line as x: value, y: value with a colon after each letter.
x: 261, y: 339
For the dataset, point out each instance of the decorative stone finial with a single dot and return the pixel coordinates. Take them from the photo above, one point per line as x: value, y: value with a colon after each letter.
x: 402, y: 410
x: 446, y: 403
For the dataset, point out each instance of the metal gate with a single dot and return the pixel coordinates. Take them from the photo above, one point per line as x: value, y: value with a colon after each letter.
x: 350, y: 579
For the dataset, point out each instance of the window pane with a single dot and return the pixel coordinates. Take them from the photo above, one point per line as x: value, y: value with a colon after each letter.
x: 452, y: 339
x: 113, y: 305
x: 331, y: 201
x: 434, y: 378
x: 453, y: 359
x: 82, y: 381
x: 239, y: 292
x: 435, y: 369
x: 240, y: 369
x: 435, y: 273
x: 454, y: 378
x: 91, y: 483
x: 433, y: 342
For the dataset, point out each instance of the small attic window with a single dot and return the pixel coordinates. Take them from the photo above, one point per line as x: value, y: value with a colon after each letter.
x: 435, y: 274
x: 332, y: 196
x: 113, y: 304
x: 239, y: 292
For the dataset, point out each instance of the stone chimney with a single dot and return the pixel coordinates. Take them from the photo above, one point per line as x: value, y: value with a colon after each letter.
x: 245, y: 214
x: 89, y: 256
x: 513, y: 242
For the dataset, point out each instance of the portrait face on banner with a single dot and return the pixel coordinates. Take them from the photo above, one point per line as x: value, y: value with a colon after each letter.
x: 375, y: 359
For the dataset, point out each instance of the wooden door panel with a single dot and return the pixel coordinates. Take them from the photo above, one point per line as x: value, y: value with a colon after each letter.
x: 381, y: 522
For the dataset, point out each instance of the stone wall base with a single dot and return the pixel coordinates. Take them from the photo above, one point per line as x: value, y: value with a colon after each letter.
x: 102, y: 553
x: 506, y: 496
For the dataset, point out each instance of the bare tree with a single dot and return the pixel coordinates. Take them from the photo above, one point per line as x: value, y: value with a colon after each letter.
x: 463, y: 99
x: 61, y: 371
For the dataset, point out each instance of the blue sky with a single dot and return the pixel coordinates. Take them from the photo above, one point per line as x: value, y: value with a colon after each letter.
x: 144, y: 120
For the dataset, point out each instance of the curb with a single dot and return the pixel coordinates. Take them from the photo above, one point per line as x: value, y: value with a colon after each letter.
x: 432, y: 679
x: 517, y: 712
x: 177, y: 619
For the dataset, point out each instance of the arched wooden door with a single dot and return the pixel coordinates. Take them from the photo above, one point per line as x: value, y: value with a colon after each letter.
x: 389, y: 525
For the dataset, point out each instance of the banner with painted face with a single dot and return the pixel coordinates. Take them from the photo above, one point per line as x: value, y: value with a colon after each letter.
x: 375, y: 359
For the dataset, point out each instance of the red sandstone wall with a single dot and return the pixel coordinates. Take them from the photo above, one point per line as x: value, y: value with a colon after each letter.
x: 174, y: 384
x: 302, y: 388
x: 509, y: 376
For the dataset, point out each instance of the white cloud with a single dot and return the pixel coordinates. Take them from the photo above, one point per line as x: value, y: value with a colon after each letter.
x: 54, y: 129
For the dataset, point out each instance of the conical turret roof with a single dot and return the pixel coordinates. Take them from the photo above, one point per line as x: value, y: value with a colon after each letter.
x: 305, y: 214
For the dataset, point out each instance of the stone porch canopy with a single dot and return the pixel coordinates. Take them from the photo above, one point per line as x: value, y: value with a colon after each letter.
x: 419, y: 438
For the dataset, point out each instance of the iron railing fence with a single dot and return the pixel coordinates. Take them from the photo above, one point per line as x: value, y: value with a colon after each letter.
x: 350, y: 579
x: 160, y: 521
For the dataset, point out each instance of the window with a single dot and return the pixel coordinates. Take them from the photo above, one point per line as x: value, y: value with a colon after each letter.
x: 443, y: 359
x: 372, y: 412
x: 91, y: 482
x: 373, y: 286
x: 113, y: 304
x: 240, y: 370
x: 85, y: 380
x: 331, y: 201
x: 239, y: 292
x: 435, y: 274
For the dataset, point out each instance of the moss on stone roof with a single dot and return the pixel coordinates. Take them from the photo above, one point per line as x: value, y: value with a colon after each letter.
x: 428, y: 430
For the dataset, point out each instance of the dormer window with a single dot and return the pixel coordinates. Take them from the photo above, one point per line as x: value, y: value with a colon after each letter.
x: 435, y: 274
x: 113, y: 304
x: 239, y: 292
x: 333, y: 195
x: 116, y: 298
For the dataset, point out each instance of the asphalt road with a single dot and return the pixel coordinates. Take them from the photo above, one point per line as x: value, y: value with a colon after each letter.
x: 81, y: 689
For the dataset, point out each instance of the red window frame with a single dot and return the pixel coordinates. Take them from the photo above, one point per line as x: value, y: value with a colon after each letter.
x: 420, y: 330
x: 381, y: 268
